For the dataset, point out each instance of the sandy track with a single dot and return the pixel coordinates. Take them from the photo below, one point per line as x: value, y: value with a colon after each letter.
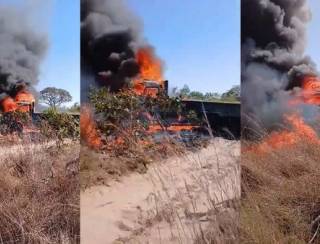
x: 125, y: 210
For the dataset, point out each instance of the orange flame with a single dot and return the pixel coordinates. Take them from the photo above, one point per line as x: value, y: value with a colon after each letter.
x: 22, y: 102
x: 25, y: 101
x: 150, y: 70
x: 311, y: 90
x: 286, y: 138
x: 8, y: 105
x: 89, y: 133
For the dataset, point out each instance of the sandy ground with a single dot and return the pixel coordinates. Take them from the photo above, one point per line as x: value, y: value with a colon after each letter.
x: 161, y: 206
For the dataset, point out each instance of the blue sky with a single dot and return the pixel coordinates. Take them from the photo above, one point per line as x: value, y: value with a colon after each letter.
x: 62, y: 65
x: 313, y: 45
x: 199, y: 41
x: 60, y: 19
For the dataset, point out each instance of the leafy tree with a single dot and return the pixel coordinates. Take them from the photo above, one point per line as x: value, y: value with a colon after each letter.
x: 185, y: 90
x: 196, y: 95
x: 75, y: 108
x: 212, y: 96
x: 232, y: 94
x: 54, y: 97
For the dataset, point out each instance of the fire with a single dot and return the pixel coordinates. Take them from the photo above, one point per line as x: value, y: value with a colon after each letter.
x: 283, y: 139
x: 310, y: 94
x: 25, y: 101
x: 150, y: 65
x: 8, y: 105
x: 311, y: 90
x: 174, y: 128
x: 150, y: 70
x: 22, y: 102
x: 89, y: 133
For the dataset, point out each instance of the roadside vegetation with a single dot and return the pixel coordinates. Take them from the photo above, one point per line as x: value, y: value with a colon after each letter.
x: 199, y: 204
x: 122, y: 122
x: 39, y: 183
x: 39, y: 194
x: 281, y: 195
x: 232, y: 95
x: 133, y: 131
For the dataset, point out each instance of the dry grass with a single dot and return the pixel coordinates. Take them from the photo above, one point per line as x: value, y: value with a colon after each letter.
x: 98, y: 167
x: 196, y: 201
x: 281, y: 195
x: 39, y: 194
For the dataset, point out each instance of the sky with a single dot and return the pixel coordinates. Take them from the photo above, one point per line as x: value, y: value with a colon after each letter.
x: 61, y: 68
x: 199, y: 41
x: 60, y: 19
x: 313, y: 44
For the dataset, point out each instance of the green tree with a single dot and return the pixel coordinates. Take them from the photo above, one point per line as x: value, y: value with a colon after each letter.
x: 54, y: 97
x: 185, y: 91
x: 75, y: 108
x: 232, y: 94
x: 196, y: 95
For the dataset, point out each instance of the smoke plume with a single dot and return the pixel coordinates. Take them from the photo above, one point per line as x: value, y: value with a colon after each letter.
x: 110, y: 37
x: 273, y: 62
x: 21, y: 51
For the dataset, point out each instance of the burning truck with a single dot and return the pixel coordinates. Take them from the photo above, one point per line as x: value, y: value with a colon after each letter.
x: 22, y: 101
x: 17, y: 109
x: 22, y: 50
x: 115, y: 55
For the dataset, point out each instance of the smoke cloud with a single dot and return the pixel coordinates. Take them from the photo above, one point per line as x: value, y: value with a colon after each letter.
x: 21, y: 51
x: 110, y: 36
x: 273, y: 62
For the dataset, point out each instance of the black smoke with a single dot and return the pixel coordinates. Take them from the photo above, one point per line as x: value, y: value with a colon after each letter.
x: 110, y: 35
x: 22, y: 50
x: 272, y: 43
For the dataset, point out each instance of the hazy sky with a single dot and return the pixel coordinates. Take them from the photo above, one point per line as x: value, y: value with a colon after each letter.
x: 199, y: 41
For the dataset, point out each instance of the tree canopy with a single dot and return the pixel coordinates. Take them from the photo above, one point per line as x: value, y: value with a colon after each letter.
x: 232, y: 94
x: 54, y: 97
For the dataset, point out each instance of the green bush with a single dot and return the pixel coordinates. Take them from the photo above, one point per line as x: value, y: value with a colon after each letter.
x: 127, y: 112
x: 59, y: 125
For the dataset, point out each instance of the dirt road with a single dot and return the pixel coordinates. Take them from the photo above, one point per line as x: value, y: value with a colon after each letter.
x: 163, y: 205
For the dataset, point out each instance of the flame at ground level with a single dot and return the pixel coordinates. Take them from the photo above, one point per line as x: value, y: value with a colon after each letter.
x: 289, y: 137
x: 89, y: 133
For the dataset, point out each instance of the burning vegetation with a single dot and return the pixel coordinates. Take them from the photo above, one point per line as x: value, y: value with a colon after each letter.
x: 119, y: 64
x: 280, y: 112
x: 274, y: 65
x: 39, y: 182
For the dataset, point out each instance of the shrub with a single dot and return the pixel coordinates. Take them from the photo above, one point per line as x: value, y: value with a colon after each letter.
x: 59, y: 125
